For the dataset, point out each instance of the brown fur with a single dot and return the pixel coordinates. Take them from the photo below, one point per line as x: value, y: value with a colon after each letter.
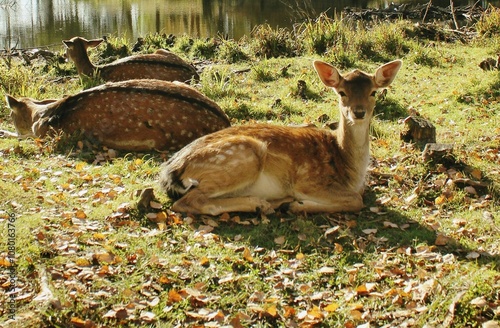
x: 133, y: 115
x: 261, y: 167
x: 162, y: 65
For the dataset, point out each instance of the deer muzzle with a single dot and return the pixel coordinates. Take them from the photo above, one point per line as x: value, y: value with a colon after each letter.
x: 359, y: 112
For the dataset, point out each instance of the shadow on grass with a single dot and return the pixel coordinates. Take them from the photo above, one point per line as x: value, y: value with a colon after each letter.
x: 299, y: 233
x: 390, y: 110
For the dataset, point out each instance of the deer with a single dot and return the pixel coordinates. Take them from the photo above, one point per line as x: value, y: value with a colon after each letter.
x: 161, y: 65
x: 134, y: 115
x: 266, y: 167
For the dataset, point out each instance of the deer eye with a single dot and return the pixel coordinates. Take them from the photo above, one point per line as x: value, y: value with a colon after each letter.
x: 373, y: 93
x: 342, y: 93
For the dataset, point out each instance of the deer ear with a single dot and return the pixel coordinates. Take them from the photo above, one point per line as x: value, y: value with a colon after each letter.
x: 386, y: 73
x: 11, y: 101
x: 94, y: 43
x: 67, y: 43
x: 328, y: 74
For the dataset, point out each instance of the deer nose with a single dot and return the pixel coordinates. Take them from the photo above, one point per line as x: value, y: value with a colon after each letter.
x: 359, y: 112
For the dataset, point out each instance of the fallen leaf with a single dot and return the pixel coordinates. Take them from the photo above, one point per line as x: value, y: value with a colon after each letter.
x: 476, y: 174
x: 365, y: 289
x: 440, y: 200
x: 247, y: 255
x: 370, y: 231
x: 332, y: 307
x: 77, y: 322
x: 155, y: 205
x: 147, y: 316
x: 388, y: 224
x: 473, y: 255
x: 279, y: 240
x: 327, y: 270
x: 271, y: 310
x: 174, y: 296
x: 204, y: 261
x: 80, y: 214
x: 441, y: 240
x: 479, y: 301
x: 289, y: 311
x: 4, y: 262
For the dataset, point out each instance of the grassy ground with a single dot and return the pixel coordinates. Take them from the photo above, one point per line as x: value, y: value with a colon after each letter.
x: 424, y: 251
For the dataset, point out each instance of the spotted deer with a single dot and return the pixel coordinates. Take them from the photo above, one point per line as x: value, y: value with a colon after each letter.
x: 262, y: 167
x: 162, y: 65
x: 134, y: 115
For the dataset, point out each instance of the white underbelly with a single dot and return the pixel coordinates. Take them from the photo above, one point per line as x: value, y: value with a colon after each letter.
x: 266, y: 187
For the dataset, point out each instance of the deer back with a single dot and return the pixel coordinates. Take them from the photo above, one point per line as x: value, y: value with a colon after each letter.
x: 168, y: 67
x: 162, y: 65
x: 135, y: 115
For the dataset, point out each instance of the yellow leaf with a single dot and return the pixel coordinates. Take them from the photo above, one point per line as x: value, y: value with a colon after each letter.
x: 361, y: 290
x: 161, y: 216
x: 315, y: 312
x: 300, y: 256
x: 247, y: 255
x: 365, y: 288
x: 357, y: 306
x: 357, y: 315
x: 204, y: 261
x: 82, y: 262
x: 4, y: 262
x: 331, y: 307
x: 163, y: 280
x: 80, y: 214
x: 272, y: 311
x: 440, y: 200
x: 99, y: 236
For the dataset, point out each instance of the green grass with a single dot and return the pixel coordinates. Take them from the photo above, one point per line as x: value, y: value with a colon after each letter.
x: 422, y: 251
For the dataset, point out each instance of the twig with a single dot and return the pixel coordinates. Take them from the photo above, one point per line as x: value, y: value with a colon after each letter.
x: 453, y: 14
x: 427, y: 10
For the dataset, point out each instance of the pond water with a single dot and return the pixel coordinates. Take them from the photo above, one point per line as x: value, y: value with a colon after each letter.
x: 37, y: 23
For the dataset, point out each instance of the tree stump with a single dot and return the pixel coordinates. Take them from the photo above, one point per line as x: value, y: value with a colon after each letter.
x: 438, y: 153
x: 419, y: 130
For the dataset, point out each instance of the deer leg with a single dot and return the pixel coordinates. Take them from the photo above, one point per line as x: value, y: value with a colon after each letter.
x: 8, y: 134
x: 335, y: 202
x: 196, y: 202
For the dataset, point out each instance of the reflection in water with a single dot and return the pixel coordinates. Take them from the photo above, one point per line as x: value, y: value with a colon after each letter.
x: 31, y: 23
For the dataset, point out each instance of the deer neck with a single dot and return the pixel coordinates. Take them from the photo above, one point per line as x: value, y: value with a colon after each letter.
x: 41, y: 115
x: 354, y: 144
x: 354, y: 139
x: 84, y: 66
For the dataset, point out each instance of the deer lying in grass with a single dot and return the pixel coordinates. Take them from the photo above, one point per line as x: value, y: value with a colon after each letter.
x: 135, y: 115
x: 162, y: 65
x: 261, y: 167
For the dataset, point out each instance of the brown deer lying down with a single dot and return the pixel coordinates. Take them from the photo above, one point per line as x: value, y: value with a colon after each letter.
x: 261, y: 167
x: 135, y: 115
x: 162, y: 65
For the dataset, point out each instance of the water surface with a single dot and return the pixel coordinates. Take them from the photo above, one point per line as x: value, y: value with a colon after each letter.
x: 36, y: 23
